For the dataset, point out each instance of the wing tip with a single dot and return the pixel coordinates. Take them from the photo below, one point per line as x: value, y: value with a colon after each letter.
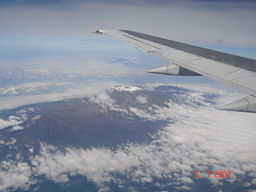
x: 99, y: 31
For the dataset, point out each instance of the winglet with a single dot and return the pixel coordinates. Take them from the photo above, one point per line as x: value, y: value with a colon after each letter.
x: 246, y: 104
x: 173, y: 70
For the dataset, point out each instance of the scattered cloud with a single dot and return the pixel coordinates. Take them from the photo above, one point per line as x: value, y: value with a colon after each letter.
x: 14, y: 175
x: 199, y: 138
x: 106, y: 102
x: 13, y: 121
x: 141, y: 99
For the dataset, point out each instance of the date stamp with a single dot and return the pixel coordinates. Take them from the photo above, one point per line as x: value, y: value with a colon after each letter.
x: 216, y: 174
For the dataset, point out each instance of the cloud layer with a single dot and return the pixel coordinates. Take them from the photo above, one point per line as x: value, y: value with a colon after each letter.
x: 197, y: 138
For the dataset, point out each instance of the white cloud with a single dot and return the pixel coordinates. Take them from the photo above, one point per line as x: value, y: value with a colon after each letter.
x: 36, y: 117
x: 102, y: 99
x: 127, y: 88
x: 29, y: 87
x: 12, y: 141
x: 14, y: 175
x: 12, y: 121
x: 17, y: 128
x: 141, y: 99
x: 143, y: 114
x: 75, y: 92
x: 106, y: 102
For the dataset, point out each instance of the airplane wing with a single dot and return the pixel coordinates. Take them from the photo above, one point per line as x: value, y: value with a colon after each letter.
x: 237, y: 71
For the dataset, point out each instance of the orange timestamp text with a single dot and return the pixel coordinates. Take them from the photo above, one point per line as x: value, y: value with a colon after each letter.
x: 216, y: 174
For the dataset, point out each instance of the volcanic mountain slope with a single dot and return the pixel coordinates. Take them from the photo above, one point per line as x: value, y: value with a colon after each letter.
x: 100, y: 120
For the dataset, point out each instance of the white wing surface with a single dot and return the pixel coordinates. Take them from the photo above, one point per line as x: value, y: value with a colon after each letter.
x: 237, y: 71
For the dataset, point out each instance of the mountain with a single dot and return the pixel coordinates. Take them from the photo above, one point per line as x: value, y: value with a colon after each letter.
x: 126, y: 138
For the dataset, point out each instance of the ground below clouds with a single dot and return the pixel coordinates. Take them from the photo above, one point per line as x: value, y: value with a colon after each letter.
x: 126, y: 138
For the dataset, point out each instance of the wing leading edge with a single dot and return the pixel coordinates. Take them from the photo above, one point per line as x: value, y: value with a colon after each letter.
x: 239, y: 72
